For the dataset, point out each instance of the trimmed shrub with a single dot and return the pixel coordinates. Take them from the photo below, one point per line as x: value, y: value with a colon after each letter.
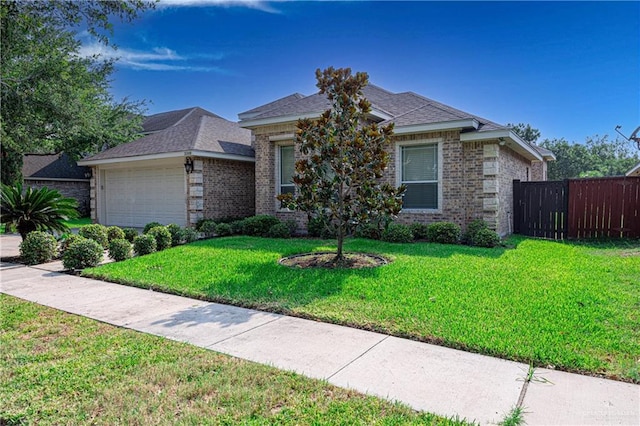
x: 115, y: 233
x: 207, y: 227
x: 82, y: 254
x: 97, y: 233
x: 130, y: 234
x: 150, y: 225
x: 419, y: 231
x: 371, y: 231
x: 38, y: 247
x: 486, y: 238
x: 259, y: 225
x: 188, y: 235
x: 176, y: 234
x: 443, y: 233
x: 144, y: 244
x: 236, y: 226
x: 472, y: 229
x: 315, y: 227
x: 68, y: 240
x: 223, y: 229
x: 292, y: 225
x: 162, y: 236
x: 279, y: 230
x: 120, y: 249
x: 397, y: 233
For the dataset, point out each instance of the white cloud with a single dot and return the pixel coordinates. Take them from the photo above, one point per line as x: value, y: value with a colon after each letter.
x: 158, y: 59
x: 252, y: 4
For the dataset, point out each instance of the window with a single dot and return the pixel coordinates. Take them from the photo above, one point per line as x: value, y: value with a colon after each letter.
x: 286, y: 169
x: 419, y: 172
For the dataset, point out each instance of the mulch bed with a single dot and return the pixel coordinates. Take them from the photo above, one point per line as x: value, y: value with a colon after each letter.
x: 327, y: 260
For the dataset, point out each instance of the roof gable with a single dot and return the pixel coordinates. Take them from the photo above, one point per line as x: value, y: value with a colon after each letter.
x: 164, y: 120
x: 198, y: 130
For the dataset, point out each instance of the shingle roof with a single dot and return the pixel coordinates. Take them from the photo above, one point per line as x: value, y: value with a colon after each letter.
x: 164, y: 120
x: 405, y: 109
x: 199, y: 130
x: 52, y: 166
x: 271, y: 105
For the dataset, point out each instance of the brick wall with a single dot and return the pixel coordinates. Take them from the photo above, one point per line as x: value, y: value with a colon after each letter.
x: 79, y: 190
x: 512, y: 166
x: 228, y: 188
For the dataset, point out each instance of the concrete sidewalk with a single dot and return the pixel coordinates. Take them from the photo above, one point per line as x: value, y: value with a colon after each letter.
x: 427, y: 377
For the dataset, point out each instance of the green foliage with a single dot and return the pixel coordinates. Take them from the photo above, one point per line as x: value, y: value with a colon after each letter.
x: 279, y: 230
x: 150, y: 225
x: 343, y: 160
x: 144, y: 244
x: 176, y: 234
x: 317, y: 227
x: 526, y: 132
x: 206, y: 226
x: 258, y: 225
x: 130, y: 234
x: 115, y: 233
x: 188, y: 235
x: 162, y: 237
x: 81, y: 254
x: 443, y: 233
x: 53, y: 99
x: 237, y: 226
x: 420, y: 231
x: 120, y: 249
x: 486, y: 238
x: 38, y: 247
x: 36, y: 209
x: 369, y: 230
x: 472, y: 229
x: 223, y: 229
x: 67, y: 240
x: 598, y: 156
x: 397, y: 233
x: 97, y: 233
x: 292, y: 225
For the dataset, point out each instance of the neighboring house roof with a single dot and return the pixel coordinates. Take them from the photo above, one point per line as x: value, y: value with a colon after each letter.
x: 197, y: 132
x: 635, y: 171
x: 410, y: 113
x: 52, y: 167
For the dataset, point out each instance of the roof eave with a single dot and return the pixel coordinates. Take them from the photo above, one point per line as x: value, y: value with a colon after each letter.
x: 252, y: 124
x: 470, y: 123
x: 634, y: 171
x: 176, y: 154
x: 512, y: 140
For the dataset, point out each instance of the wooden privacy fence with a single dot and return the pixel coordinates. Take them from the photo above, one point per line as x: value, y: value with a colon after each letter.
x: 578, y: 208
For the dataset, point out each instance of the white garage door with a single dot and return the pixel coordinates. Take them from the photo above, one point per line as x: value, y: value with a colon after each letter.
x: 136, y: 197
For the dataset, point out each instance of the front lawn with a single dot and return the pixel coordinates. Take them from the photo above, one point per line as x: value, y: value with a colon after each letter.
x: 575, y: 307
x: 57, y: 368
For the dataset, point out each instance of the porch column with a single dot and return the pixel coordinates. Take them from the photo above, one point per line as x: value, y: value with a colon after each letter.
x: 195, y: 193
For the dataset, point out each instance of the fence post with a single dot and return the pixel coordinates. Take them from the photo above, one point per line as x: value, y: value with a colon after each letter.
x: 516, y: 206
x: 565, y: 216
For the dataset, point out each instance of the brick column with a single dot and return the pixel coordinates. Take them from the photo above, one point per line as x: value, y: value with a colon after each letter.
x: 93, y: 205
x: 490, y: 185
x: 195, y: 194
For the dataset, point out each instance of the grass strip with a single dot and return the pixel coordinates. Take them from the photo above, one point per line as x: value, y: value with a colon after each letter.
x: 58, y: 368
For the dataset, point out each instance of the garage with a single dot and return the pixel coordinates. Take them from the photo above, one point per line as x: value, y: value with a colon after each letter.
x: 134, y: 197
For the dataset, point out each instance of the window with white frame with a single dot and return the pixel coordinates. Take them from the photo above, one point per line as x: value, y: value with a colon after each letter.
x: 286, y: 169
x: 419, y: 172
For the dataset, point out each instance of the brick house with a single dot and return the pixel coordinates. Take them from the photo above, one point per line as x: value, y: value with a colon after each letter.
x: 59, y: 172
x: 189, y: 164
x: 457, y: 166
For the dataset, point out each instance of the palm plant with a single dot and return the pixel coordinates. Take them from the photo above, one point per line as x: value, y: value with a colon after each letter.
x: 41, y: 209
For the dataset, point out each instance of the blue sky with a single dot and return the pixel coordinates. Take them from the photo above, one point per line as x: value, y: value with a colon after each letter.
x: 570, y: 69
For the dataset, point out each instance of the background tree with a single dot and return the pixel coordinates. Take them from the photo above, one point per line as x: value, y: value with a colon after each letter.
x: 52, y: 99
x: 344, y: 157
x: 526, y: 132
x: 597, y: 157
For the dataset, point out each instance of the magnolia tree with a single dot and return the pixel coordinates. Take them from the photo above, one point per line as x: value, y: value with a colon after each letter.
x: 338, y: 179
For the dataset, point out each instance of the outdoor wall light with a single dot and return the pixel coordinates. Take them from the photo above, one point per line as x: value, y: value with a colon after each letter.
x: 501, y: 141
x: 88, y: 174
x: 188, y: 165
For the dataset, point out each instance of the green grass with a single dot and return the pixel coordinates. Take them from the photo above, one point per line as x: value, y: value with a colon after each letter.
x: 58, y: 368
x: 572, y: 306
